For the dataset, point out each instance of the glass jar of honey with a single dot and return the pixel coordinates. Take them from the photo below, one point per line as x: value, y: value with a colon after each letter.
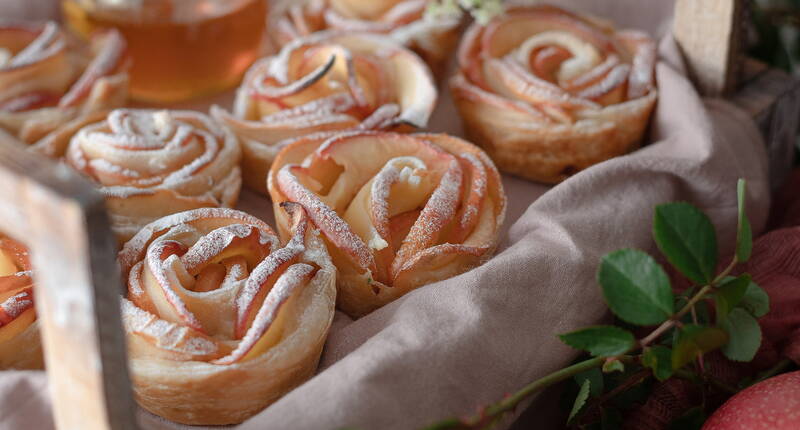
x: 181, y: 49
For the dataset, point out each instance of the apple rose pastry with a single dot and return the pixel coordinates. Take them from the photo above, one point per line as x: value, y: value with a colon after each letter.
x: 222, y: 320
x: 51, y: 84
x: 20, y: 346
x: 150, y: 163
x: 548, y: 93
x: 397, y: 211
x: 401, y: 20
x: 326, y: 82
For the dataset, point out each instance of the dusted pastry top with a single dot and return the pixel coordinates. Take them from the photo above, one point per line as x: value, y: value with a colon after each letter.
x: 221, y: 318
x: 139, y: 158
x: 20, y: 346
x: 397, y: 211
x: 548, y: 93
x: 51, y: 84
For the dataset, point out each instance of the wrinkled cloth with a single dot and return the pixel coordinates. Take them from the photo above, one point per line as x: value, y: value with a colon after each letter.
x: 450, y: 347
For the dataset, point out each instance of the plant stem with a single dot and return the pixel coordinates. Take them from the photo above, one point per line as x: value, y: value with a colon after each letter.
x: 666, y: 325
x: 774, y: 370
x: 492, y: 411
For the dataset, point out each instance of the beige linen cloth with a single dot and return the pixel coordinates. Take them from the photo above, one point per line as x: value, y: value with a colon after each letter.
x: 448, y: 348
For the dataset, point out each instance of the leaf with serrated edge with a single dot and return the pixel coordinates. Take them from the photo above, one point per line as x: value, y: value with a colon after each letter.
x: 686, y: 236
x: 595, y: 377
x: 729, y: 294
x: 600, y: 341
x: 635, y: 287
x: 744, y: 333
x: 755, y: 300
x: 580, y: 400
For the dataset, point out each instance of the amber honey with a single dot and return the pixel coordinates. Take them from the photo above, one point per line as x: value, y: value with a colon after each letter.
x: 181, y: 49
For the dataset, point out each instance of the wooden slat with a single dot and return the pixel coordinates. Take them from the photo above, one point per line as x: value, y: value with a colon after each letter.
x: 62, y: 220
x: 709, y: 34
x: 772, y: 98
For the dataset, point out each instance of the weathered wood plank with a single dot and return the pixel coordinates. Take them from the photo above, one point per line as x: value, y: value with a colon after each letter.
x: 77, y: 288
x: 709, y: 34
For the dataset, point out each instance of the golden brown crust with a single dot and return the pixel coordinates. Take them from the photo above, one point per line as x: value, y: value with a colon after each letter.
x: 397, y: 211
x: 326, y: 82
x: 218, y: 355
x: 51, y: 84
x: 548, y: 93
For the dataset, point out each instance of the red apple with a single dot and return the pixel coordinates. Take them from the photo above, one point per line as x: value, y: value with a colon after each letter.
x: 773, y: 404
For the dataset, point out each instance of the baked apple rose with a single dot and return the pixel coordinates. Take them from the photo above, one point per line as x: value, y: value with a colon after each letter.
x: 221, y: 319
x: 397, y: 211
x: 52, y: 84
x: 151, y: 163
x: 328, y: 81
x: 547, y: 93
x: 402, y: 20
x: 20, y: 346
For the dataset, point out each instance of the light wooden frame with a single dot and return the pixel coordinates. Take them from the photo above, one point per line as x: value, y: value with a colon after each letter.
x: 62, y: 220
x: 59, y: 216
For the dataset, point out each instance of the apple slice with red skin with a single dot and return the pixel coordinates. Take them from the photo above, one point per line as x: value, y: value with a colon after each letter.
x: 772, y: 404
x: 108, y: 60
x: 14, y: 305
x: 30, y: 101
x: 264, y: 276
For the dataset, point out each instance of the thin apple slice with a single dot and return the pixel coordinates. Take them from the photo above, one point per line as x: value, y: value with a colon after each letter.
x: 109, y: 57
x: 160, y: 282
x: 268, y: 271
x: 226, y: 242
x: 266, y: 328
x: 415, y: 90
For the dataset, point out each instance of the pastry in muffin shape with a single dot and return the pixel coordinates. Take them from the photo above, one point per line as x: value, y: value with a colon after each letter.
x: 51, y: 84
x: 222, y: 319
x: 152, y: 163
x: 327, y: 81
x: 548, y: 93
x: 20, y: 345
x: 404, y: 21
x: 396, y: 211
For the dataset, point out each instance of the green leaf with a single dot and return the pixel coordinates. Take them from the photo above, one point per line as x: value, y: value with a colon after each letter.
x: 659, y: 359
x: 755, y: 300
x: 685, y: 235
x: 600, y: 341
x: 744, y: 333
x: 580, y: 400
x: 744, y: 234
x: 613, y: 366
x: 730, y: 294
x: 694, y: 340
x: 635, y: 287
x: 595, y: 377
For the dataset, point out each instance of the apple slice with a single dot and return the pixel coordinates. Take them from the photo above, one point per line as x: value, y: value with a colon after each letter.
x: 226, y: 242
x: 268, y: 271
x: 439, y: 210
x: 267, y: 326
x: 29, y: 101
x: 416, y: 92
x: 160, y: 280
x: 16, y: 314
x: 110, y: 57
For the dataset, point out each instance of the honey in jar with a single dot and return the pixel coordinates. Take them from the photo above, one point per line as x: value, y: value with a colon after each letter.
x: 181, y: 49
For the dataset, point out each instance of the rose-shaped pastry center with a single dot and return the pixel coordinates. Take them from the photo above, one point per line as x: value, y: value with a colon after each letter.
x: 352, y: 80
x: 390, y: 202
x: 144, y: 148
x: 16, y: 289
x: 559, y: 64
x: 210, y: 284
